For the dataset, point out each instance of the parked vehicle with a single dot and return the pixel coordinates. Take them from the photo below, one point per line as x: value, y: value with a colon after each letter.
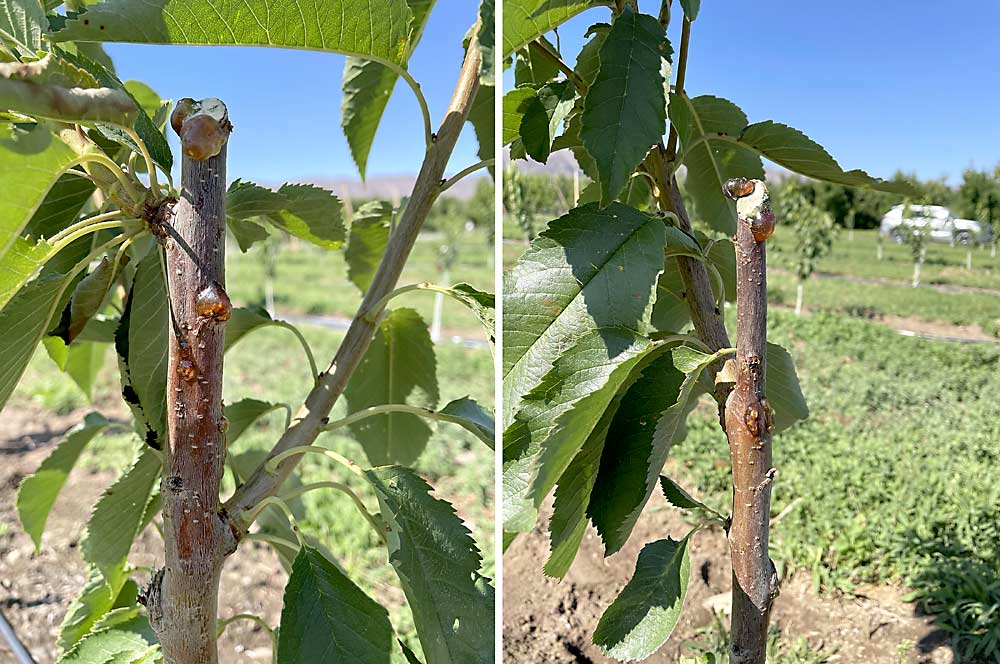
x: 937, y: 221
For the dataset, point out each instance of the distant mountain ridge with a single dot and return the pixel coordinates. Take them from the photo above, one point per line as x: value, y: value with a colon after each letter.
x: 385, y: 187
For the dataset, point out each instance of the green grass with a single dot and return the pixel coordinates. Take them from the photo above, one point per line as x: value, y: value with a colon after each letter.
x: 944, y: 264
x: 313, y: 281
x: 893, y: 475
x: 711, y: 646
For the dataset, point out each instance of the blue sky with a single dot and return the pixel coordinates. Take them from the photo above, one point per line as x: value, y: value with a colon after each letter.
x: 285, y: 104
x: 882, y: 85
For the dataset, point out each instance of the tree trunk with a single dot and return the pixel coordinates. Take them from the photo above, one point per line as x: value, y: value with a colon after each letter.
x: 968, y: 258
x: 182, y: 602
x: 916, y: 274
x: 439, y: 309
x: 798, y: 299
x: 749, y: 422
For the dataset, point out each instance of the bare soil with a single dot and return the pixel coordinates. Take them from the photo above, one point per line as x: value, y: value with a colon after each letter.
x: 35, y: 590
x: 547, y: 621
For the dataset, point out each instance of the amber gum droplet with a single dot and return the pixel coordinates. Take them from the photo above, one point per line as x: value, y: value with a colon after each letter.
x: 213, y: 302
x: 187, y: 371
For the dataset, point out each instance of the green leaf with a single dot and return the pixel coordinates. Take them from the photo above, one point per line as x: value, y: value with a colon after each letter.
x: 678, y: 497
x: 573, y: 494
x: 559, y: 415
x: 479, y: 302
x: 588, y: 60
x: 126, y: 643
x: 485, y: 40
x: 783, y: 391
x: 533, y: 68
x: 247, y: 233
x: 468, y: 414
x: 23, y: 323
x: 327, y: 619
x: 709, y: 163
x: 481, y: 117
x: 61, y: 207
x: 303, y: 210
x: 377, y: 29
x: 624, y: 111
x: 244, y: 320
x: 691, y: 8
x: 399, y: 367
x: 143, y: 125
x: 88, y: 297
x: 59, y: 90
x: 798, y: 153
x: 31, y: 160
x: 23, y: 22
x: 242, y: 414
x: 526, y: 20
x: 84, y: 360
x: 648, y: 422
x: 98, y: 597
x: 366, y: 244
x: 437, y: 563
x: 516, y: 103
x: 544, y: 117
x: 148, y: 340
x: 590, y: 269
x: 38, y: 492
x: 23, y: 259
x: 671, y: 312
x: 367, y: 86
x: 643, y: 616
x: 118, y: 515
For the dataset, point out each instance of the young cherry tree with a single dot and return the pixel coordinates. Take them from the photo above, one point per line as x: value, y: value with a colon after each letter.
x: 915, y: 237
x: 613, y: 317
x: 99, y: 247
x: 814, y: 230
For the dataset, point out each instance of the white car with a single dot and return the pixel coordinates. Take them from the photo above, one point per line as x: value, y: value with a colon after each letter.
x: 938, y: 221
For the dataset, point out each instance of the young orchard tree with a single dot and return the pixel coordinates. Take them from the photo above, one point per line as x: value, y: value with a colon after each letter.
x: 915, y: 237
x: 613, y: 317
x: 99, y: 247
x: 814, y: 230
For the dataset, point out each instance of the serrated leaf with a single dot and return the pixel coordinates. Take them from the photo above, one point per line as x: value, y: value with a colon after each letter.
x: 678, y: 497
x: 36, y: 90
x: 479, y: 302
x: 84, y: 360
x: 544, y: 117
x: 624, y: 111
x: 303, y: 210
x: 590, y: 269
x: 22, y: 260
x: 244, y: 320
x: 648, y: 422
x: 485, y: 40
x: 438, y: 567
x: 148, y: 339
x: 516, y: 103
x: 327, y: 619
x: 126, y: 643
x: 798, y: 153
x: 559, y: 414
x: 481, y: 117
x: 38, y: 492
x: 573, y: 493
x: 783, y: 390
x: 367, y: 86
x: 671, y: 312
x: 588, y: 60
x: 61, y: 206
x: 468, y: 414
x: 30, y: 163
x: 247, y: 233
x: 710, y: 164
x: 367, y: 240
x: 691, y: 8
x: 373, y: 28
x: 526, y: 20
x: 23, y: 22
x: 23, y: 323
x: 118, y: 515
x: 99, y: 595
x: 643, y: 616
x: 532, y: 68
x: 243, y: 413
x: 399, y: 367
x: 88, y: 297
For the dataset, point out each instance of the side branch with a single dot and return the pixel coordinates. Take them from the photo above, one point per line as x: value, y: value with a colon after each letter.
x: 313, y: 416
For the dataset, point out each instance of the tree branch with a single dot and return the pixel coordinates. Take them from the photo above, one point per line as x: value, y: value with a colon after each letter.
x: 312, y: 417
